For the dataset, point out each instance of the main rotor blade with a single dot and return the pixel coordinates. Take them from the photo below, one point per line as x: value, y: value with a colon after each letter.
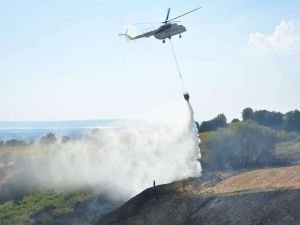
x: 167, y: 18
x: 184, y: 14
x: 145, y: 23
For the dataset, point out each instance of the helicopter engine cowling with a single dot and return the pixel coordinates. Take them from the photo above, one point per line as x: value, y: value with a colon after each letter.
x: 170, y: 31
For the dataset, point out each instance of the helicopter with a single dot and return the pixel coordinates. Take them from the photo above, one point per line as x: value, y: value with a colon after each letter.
x: 167, y: 30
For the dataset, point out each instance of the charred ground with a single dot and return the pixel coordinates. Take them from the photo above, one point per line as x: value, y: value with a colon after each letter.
x: 247, y: 198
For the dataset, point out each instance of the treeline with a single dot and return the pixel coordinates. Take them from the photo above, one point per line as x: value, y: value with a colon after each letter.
x: 289, y: 121
x: 48, y: 139
x: 213, y: 124
x: 12, y: 143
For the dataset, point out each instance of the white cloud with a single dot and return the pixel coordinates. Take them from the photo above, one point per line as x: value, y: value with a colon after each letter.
x: 284, y: 38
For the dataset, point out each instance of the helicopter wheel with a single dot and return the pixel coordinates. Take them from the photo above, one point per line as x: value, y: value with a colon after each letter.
x: 180, y: 36
x: 164, y: 41
x: 170, y: 37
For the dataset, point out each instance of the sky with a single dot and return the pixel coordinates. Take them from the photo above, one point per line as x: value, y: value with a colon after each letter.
x: 64, y: 60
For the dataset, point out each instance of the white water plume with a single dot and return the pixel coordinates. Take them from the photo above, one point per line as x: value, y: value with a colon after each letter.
x: 161, y: 146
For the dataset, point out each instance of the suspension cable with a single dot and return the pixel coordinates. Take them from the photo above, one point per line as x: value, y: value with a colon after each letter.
x: 178, y: 68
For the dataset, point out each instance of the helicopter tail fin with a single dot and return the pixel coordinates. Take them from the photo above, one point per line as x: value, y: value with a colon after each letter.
x: 127, y: 36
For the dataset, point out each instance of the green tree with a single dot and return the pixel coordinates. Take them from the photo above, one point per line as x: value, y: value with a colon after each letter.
x: 221, y: 120
x: 48, y: 139
x: 235, y: 120
x: 247, y: 114
x: 213, y: 124
x: 269, y: 119
x: 292, y: 121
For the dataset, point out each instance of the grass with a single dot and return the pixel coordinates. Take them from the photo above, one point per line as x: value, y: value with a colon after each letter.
x: 20, y: 208
x: 268, y: 178
x: 38, y: 150
x: 13, y: 154
x: 288, y: 150
x: 58, y: 203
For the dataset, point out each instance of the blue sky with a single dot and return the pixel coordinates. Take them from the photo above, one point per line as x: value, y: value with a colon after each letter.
x: 63, y: 60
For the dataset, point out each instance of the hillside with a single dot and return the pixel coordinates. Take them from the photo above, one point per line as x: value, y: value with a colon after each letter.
x: 243, y: 175
x: 274, y: 178
x: 265, y: 196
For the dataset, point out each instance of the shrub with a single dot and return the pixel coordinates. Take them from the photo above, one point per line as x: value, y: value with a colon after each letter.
x: 48, y: 139
x: 241, y: 145
x: 213, y: 124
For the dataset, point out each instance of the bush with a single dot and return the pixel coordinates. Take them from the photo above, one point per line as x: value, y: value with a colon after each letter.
x: 65, y: 139
x: 21, y: 211
x: 48, y: 139
x: 247, y: 114
x: 235, y: 120
x: 269, y: 119
x: 213, y: 124
x: 241, y: 145
x: 14, y: 142
x: 292, y: 122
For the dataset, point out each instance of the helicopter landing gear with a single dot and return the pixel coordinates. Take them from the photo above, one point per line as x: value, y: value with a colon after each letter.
x: 180, y: 36
x: 164, y: 41
x: 169, y: 37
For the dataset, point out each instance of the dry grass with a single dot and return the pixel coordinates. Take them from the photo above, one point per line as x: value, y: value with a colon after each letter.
x: 271, y: 178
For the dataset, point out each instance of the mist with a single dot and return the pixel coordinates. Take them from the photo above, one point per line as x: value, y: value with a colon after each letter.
x: 161, y: 145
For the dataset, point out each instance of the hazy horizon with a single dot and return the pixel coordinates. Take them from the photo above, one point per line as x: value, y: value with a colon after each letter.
x: 132, y: 118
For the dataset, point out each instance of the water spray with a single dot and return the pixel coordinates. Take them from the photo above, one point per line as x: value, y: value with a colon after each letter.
x: 186, y: 97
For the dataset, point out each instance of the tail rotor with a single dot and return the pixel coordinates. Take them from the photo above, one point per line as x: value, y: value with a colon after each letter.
x: 125, y: 34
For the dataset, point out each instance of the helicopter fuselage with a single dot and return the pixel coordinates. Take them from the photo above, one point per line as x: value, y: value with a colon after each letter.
x: 169, y: 30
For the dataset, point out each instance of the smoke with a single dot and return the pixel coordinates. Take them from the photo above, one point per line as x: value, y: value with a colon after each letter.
x: 162, y: 145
